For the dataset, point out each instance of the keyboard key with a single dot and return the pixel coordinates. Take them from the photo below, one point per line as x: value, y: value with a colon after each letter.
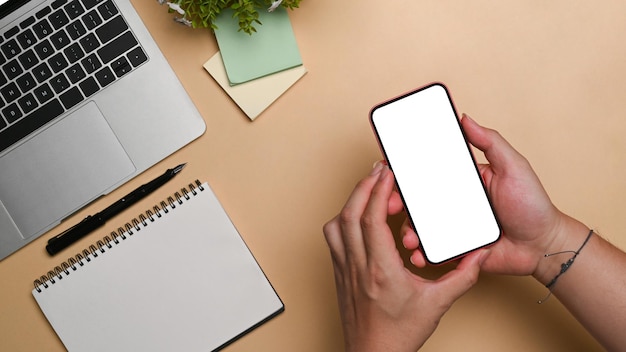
x: 121, y: 66
x: 10, y: 48
x: 58, y: 19
x: 27, y: 38
x: 71, y: 97
x: 89, y: 42
x: 91, y: 19
x: 91, y: 3
x: 137, y: 56
x: 28, y: 59
x: 12, y: 113
x: 75, y: 73
x: 74, y: 9
x: 117, y: 47
x: 111, y: 29
x: 11, y: 32
x: 76, y: 29
x: 43, y: 12
x: 44, y: 49
x: 12, y: 69
x: 107, y: 10
x: 57, y: 62
x: 42, y: 28
x: 43, y: 93
x: 42, y: 72
x: 59, y: 83
x: 26, y: 82
x: 31, y: 122
x: 74, y: 53
x: 105, y: 76
x: 91, y: 63
x: 27, y: 22
x: 10, y: 92
x: 89, y: 86
x: 60, y: 39
x: 58, y: 3
x: 3, y: 80
x: 28, y: 103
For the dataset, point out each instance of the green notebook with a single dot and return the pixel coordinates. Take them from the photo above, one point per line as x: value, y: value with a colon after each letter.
x: 271, y: 49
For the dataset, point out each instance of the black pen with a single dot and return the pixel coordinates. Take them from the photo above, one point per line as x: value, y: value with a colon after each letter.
x: 92, y: 222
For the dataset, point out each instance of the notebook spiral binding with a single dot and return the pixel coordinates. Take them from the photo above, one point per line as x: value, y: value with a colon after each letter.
x: 116, y: 237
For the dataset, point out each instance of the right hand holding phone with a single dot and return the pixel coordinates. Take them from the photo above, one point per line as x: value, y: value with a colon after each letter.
x: 530, y: 222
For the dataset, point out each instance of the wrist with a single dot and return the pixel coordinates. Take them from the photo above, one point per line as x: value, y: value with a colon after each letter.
x: 385, y: 344
x: 569, y: 236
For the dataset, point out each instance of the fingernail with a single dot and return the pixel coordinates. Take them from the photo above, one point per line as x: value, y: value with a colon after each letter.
x: 383, y: 172
x: 377, y: 167
x: 466, y: 116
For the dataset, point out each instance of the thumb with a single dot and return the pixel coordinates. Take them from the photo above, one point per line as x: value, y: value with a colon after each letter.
x: 458, y: 281
x: 497, y: 150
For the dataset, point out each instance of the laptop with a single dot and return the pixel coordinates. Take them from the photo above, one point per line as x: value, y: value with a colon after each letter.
x: 87, y: 101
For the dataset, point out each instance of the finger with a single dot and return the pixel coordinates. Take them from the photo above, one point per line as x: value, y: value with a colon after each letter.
x: 379, y: 242
x: 395, y: 203
x: 417, y: 258
x: 410, y: 240
x: 350, y: 216
x: 334, y: 239
x: 497, y: 150
x: 458, y: 281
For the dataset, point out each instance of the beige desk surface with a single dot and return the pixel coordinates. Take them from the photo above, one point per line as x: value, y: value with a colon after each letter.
x: 550, y: 76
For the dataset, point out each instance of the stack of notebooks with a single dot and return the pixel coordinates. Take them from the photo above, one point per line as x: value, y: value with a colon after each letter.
x: 256, y: 69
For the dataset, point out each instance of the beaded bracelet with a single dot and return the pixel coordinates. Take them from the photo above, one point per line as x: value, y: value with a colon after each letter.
x: 564, y: 266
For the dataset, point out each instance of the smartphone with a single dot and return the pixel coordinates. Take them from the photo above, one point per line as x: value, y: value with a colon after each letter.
x: 436, y: 175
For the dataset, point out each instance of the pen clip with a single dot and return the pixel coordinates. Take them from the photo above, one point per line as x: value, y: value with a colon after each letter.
x: 68, y: 230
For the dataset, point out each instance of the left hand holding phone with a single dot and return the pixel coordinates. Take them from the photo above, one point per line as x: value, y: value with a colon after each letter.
x: 383, y: 305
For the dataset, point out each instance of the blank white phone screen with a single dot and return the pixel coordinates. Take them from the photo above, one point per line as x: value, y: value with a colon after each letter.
x: 435, y: 173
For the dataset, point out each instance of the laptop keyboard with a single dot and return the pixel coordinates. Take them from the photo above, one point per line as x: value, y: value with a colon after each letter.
x: 59, y: 57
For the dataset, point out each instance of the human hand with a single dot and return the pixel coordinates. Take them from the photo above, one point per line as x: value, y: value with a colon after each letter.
x: 383, y: 305
x: 530, y: 222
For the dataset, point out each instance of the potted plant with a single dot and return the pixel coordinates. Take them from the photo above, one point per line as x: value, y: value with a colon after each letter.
x: 202, y: 13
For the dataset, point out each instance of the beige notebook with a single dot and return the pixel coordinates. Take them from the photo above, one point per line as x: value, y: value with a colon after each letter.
x: 177, y: 278
x: 253, y: 97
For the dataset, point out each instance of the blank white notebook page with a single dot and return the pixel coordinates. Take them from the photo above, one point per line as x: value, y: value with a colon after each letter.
x: 185, y: 282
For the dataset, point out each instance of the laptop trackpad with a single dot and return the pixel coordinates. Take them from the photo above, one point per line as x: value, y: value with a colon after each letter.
x: 62, y: 169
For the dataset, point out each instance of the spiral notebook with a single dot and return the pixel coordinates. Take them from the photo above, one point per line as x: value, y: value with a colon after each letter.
x: 179, y: 277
